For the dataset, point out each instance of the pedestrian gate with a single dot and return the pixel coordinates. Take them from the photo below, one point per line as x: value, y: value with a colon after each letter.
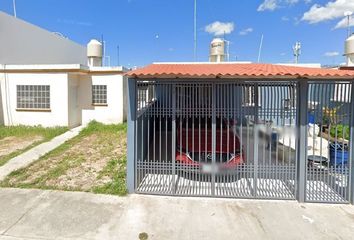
x: 241, y: 139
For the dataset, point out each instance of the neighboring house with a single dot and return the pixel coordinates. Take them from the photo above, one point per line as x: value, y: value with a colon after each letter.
x: 53, y: 81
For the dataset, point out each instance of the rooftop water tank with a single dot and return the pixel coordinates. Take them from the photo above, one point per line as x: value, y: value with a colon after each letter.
x: 94, y: 53
x: 217, y: 50
x: 349, y: 50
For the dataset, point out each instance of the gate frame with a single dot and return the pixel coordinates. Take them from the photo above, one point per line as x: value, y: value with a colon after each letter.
x: 301, y: 124
x: 351, y: 147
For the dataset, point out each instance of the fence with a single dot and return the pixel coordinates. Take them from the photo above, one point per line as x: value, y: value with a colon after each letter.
x: 241, y: 139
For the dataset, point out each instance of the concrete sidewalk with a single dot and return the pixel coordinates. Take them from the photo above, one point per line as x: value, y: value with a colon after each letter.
x: 36, y: 214
x: 35, y: 153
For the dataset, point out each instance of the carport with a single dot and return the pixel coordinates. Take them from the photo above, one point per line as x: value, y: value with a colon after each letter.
x: 241, y: 131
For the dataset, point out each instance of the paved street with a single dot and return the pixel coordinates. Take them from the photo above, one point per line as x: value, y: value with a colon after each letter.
x: 37, y: 214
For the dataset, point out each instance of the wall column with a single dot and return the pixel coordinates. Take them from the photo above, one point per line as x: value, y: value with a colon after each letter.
x: 131, y: 135
x: 302, y: 120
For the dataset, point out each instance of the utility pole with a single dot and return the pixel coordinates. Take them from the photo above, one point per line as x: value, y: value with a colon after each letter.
x: 260, y: 49
x: 195, y: 30
x: 14, y: 7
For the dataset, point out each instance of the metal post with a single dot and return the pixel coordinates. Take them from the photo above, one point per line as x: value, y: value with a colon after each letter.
x: 213, y: 136
x: 255, y: 139
x: 351, y: 146
x: 302, y: 102
x: 174, y: 129
x: 131, y: 120
x: 14, y: 7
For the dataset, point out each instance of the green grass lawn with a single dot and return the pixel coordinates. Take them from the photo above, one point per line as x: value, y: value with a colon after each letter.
x: 93, y: 161
x: 15, y: 140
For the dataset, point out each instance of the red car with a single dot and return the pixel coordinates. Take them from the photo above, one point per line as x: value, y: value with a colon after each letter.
x: 194, y: 147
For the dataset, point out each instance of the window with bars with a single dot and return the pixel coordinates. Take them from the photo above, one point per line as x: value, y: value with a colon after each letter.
x: 290, y: 102
x: 248, y: 96
x: 33, y: 96
x: 146, y: 95
x: 99, y: 94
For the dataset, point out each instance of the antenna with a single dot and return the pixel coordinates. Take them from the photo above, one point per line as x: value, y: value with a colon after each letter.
x: 348, y: 14
x: 227, y: 48
x: 117, y: 55
x: 260, y: 49
x: 103, y: 50
x: 195, y: 30
x: 14, y: 7
x: 297, y: 51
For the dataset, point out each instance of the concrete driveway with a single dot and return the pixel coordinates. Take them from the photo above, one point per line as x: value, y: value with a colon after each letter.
x: 36, y: 214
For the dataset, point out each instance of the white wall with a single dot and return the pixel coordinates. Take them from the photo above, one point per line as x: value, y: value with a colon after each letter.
x: 116, y: 100
x: 70, y: 99
x: 58, y: 116
x: 1, y: 105
x: 74, y: 110
x: 24, y: 43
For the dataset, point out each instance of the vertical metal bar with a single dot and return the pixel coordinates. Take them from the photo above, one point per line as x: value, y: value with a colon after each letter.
x: 294, y: 101
x: 174, y: 139
x: 256, y: 138
x: 302, y: 140
x: 351, y: 146
x: 213, y: 136
x: 131, y: 119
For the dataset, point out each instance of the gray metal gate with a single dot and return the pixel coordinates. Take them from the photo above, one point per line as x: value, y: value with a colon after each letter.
x: 222, y: 139
x: 328, y: 142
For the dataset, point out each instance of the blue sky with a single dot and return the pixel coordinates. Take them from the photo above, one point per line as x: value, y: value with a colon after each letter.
x: 162, y: 30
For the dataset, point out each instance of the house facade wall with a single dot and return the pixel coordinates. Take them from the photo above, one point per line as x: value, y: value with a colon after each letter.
x: 115, y: 110
x: 70, y: 99
x: 1, y: 105
x: 58, y: 114
x: 24, y: 43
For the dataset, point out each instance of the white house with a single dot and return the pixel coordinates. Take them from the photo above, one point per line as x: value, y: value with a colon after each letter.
x: 59, y: 85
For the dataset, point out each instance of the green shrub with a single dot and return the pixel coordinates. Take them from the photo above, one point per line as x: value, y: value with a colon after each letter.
x: 340, y: 131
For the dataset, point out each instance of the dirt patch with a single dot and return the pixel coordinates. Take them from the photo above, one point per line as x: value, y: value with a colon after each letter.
x: 78, y: 167
x: 12, y: 144
x: 95, y: 156
x: 93, y: 161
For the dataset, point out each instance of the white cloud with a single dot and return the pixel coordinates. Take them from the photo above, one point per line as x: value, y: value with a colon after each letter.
x: 344, y: 23
x: 270, y: 5
x: 331, y: 54
x: 291, y: 1
x: 285, y: 18
x: 219, y: 28
x: 246, y: 31
x: 332, y: 10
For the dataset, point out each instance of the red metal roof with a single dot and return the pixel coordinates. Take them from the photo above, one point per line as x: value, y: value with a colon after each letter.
x: 236, y: 70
